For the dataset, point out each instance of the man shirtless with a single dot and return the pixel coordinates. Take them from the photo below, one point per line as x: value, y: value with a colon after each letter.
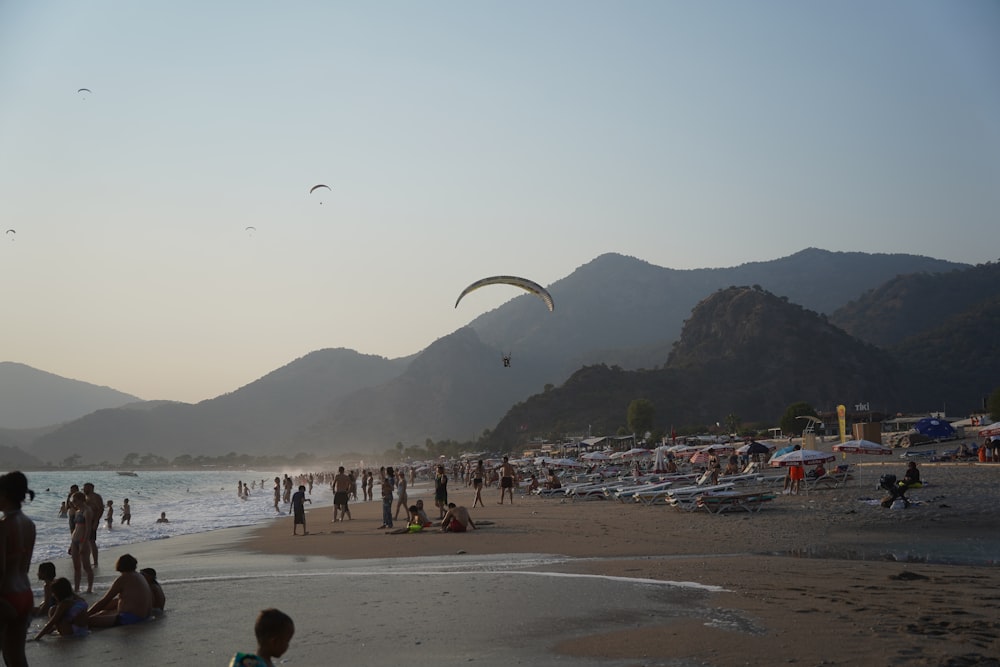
x: 96, y: 503
x: 456, y: 520
x: 341, y: 493
x: 132, y: 594
x: 506, y: 480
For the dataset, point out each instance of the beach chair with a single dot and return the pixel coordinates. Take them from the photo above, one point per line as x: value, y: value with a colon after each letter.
x: 724, y: 501
x: 686, y: 497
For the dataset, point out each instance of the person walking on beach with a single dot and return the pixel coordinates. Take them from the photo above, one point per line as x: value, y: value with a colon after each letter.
x: 277, y: 494
x: 127, y: 602
x: 79, y: 549
x: 109, y: 518
x: 370, y: 486
x: 341, y: 494
x: 478, y: 476
x: 506, y: 480
x: 17, y: 543
x: 441, y: 491
x: 274, y: 630
x: 126, y: 513
x: 96, y: 503
x: 299, y: 501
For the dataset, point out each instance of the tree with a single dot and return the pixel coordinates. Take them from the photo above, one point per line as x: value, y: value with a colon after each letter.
x: 790, y: 424
x: 129, y: 460
x: 732, y: 423
x: 994, y: 405
x: 71, y: 461
x: 640, y: 416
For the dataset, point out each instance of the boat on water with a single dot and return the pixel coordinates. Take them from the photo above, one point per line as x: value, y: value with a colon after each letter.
x: 128, y: 473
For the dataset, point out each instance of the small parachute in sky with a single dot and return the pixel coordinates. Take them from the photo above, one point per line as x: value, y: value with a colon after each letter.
x: 319, y: 186
x: 250, y: 230
x: 523, y: 283
x: 84, y: 92
x: 11, y: 234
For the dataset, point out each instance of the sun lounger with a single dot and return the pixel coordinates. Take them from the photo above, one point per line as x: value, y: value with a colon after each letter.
x: 930, y: 453
x: 686, y: 497
x: 724, y: 501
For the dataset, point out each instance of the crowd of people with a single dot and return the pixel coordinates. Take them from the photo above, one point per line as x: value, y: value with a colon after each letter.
x: 133, y: 597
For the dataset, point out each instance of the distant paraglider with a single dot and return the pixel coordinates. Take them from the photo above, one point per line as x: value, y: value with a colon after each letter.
x: 11, y: 234
x: 250, y: 230
x: 84, y: 92
x: 319, y: 186
x: 523, y: 283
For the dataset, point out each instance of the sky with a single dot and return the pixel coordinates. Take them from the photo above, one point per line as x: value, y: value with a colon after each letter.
x: 459, y: 140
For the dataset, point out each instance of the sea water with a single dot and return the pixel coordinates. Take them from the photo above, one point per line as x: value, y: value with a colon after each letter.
x: 195, y: 502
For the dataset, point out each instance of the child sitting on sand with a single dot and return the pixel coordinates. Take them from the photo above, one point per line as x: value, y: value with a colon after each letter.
x: 46, y: 574
x: 69, y: 616
x: 274, y: 630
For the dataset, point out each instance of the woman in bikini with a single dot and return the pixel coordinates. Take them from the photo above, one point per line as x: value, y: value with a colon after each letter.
x: 17, y: 543
x: 69, y: 616
x: 79, y: 547
x: 478, y: 475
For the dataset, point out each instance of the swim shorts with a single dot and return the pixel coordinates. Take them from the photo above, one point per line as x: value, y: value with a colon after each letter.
x: 506, y: 482
x: 340, y: 498
x: 455, y: 526
x: 127, y: 618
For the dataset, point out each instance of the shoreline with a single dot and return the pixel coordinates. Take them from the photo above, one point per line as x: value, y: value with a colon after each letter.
x: 552, y: 581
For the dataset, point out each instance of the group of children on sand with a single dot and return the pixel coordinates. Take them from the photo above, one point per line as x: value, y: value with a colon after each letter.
x: 69, y: 614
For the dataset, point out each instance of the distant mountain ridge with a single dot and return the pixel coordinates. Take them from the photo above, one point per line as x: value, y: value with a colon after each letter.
x: 615, y: 308
x: 32, y: 398
x: 743, y: 351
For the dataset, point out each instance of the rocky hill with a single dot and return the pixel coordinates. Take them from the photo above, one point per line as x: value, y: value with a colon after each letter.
x: 743, y: 351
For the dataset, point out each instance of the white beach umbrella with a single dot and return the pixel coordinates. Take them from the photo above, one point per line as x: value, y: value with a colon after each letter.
x: 596, y: 456
x: 862, y: 447
x: 800, y: 457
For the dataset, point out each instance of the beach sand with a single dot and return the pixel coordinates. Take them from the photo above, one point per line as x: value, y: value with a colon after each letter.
x: 817, y: 579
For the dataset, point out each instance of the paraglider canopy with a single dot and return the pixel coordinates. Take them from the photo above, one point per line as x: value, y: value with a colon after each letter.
x: 11, y: 233
x: 317, y: 187
x: 523, y: 283
x: 83, y: 90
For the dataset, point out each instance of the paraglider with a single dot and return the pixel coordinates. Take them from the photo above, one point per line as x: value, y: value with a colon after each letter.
x: 83, y: 91
x: 250, y: 230
x: 523, y: 283
x: 12, y: 233
x: 319, y: 186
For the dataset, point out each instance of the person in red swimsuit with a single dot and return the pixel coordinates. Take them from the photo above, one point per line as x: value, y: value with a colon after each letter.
x: 17, y: 543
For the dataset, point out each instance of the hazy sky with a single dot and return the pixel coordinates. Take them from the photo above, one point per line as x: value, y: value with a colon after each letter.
x: 460, y: 139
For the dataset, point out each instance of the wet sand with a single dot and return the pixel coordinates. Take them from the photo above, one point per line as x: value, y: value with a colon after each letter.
x: 817, y: 579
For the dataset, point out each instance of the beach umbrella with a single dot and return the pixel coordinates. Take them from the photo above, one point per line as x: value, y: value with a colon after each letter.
x: 989, y: 431
x: 862, y: 447
x: 596, y: 456
x: 800, y: 457
x: 754, y: 448
x: 934, y: 428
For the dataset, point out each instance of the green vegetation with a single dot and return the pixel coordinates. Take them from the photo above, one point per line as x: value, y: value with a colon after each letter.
x: 994, y: 405
x: 639, y: 416
x: 790, y: 422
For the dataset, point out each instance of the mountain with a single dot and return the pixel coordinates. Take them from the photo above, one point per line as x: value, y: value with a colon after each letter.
x: 259, y: 418
x: 613, y: 309
x: 622, y: 303
x: 30, y: 398
x: 908, y: 305
x: 743, y: 350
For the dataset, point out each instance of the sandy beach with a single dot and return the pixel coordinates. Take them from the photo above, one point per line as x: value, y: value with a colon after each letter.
x: 825, y: 578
